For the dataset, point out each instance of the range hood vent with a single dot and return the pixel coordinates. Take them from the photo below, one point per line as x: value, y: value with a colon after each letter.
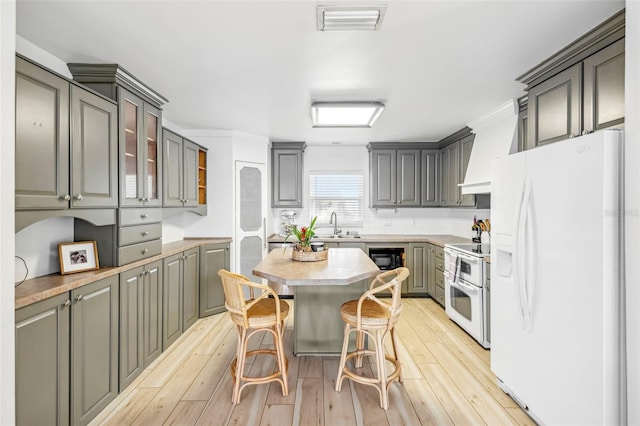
x: 496, y: 137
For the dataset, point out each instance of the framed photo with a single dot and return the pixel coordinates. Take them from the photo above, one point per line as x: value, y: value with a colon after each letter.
x: 78, y: 257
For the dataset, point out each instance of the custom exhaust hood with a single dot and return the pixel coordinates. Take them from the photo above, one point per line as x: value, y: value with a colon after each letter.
x: 496, y: 137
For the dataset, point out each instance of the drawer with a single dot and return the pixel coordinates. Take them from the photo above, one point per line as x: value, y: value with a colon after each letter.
x: 139, y: 233
x: 137, y: 216
x: 439, y: 252
x: 439, y: 279
x: 135, y: 252
x: 488, y: 271
x: 440, y: 295
x: 439, y: 264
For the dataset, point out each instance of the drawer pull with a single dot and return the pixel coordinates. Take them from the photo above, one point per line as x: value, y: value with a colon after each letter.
x: 144, y: 233
x: 144, y: 216
x: 145, y: 251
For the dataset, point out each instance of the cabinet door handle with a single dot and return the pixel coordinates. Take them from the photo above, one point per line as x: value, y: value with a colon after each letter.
x: 144, y: 216
x: 66, y: 303
x: 145, y: 233
x: 65, y: 197
x: 571, y: 136
x: 78, y: 197
x: 79, y: 298
x: 144, y: 251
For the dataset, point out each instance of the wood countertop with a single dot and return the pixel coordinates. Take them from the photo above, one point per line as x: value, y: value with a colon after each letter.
x: 40, y: 288
x: 343, y: 266
x: 439, y: 240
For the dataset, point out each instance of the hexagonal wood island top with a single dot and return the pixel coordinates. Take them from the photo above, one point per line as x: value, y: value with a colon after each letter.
x: 320, y: 288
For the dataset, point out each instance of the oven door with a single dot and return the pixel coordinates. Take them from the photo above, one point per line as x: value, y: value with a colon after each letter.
x: 463, y: 304
x: 470, y: 266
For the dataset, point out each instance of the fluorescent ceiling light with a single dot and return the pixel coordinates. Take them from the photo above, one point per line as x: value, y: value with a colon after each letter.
x: 345, y: 18
x: 345, y: 114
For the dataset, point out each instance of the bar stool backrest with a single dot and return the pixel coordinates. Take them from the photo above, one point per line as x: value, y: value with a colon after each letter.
x: 390, y: 281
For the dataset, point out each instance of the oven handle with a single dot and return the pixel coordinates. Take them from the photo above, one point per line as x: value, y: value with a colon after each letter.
x: 468, y: 258
x: 471, y: 288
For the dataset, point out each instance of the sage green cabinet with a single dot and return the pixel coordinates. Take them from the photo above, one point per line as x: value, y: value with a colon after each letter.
x: 394, y: 177
x: 431, y: 270
x: 66, y: 143
x: 94, y: 348
x: 182, y: 163
x: 287, y: 161
x: 430, y: 178
x: 580, y: 88
x: 418, y: 264
x: 140, y: 320
x: 191, y: 288
x: 42, y: 362
x: 213, y: 257
x: 67, y: 355
x: 439, y: 274
x: 181, y: 294
x: 455, y: 160
x: 140, y: 153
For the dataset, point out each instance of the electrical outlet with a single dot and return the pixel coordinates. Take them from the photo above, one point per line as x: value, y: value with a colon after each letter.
x: 412, y: 222
x: 387, y: 222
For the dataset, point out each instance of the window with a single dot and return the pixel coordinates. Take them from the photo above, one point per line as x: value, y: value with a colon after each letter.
x: 340, y: 192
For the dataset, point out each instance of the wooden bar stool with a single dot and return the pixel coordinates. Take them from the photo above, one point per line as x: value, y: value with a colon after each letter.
x: 375, y: 317
x: 253, y: 315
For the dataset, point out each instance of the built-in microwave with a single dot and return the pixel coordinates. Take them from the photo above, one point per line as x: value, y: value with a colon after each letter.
x: 387, y: 258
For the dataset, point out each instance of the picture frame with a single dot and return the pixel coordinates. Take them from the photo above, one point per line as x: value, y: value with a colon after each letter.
x: 78, y: 256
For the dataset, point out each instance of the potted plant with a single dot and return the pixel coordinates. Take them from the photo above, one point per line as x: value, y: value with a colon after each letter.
x: 303, y: 235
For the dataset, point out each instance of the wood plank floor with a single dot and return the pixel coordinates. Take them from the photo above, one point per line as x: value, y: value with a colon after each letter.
x: 447, y: 381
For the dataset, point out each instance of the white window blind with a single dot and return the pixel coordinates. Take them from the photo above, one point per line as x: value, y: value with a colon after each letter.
x: 340, y: 192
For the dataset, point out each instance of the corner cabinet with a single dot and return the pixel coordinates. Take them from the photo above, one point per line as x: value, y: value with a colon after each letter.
x: 455, y: 159
x: 580, y: 89
x: 213, y: 257
x: 287, y: 174
x: 66, y: 143
x: 185, y: 165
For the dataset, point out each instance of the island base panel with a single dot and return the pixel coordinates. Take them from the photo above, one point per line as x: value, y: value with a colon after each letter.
x: 319, y: 329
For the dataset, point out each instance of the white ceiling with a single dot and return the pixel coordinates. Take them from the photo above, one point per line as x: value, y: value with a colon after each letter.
x: 256, y: 66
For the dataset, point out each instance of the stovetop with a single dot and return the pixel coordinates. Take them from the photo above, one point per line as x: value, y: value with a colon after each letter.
x: 478, y: 250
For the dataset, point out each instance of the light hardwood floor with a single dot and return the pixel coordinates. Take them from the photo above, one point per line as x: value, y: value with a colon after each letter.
x: 447, y: 380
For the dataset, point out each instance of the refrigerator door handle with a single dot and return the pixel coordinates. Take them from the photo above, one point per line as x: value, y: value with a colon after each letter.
x: 522, y: 258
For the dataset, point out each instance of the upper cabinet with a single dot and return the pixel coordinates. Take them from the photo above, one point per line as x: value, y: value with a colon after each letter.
x: 430, y: 178
x: 396, y: 176
x: 140, y: 118
x: 66, y: 143
x: 185, y: 167
x: 286, y: 174
x: 579, y: 89
x: 140, y: 153
x: 454, y: 159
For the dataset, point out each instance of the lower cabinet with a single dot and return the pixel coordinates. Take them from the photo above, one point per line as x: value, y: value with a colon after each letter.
x: 67, y: 355
x: 431, y: 270
x: 42, y: 362
x: 180, y: 307
x: 213, y: 257
x: 140, y: 320
x: 418, y: 263
x: 439, y: 274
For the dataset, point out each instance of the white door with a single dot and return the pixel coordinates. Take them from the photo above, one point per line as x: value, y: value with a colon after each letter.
x: 251, y: 216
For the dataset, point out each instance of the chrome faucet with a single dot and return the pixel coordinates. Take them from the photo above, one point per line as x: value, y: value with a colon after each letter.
x: 335, y: 223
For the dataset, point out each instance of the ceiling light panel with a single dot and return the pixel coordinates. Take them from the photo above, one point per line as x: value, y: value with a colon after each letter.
x: 350, y: 18
x: 345, y: 114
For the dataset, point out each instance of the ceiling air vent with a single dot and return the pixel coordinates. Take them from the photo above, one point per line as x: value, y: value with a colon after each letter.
x: 350, y: 18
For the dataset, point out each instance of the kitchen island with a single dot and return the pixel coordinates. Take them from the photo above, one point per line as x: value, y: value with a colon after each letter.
x: 320, y: 288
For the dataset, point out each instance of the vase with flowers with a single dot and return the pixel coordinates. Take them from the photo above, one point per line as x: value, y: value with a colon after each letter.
x: 303, y: 235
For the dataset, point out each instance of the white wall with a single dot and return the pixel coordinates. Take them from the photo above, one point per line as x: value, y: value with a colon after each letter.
x: 388, y: 221
x: 632, y: 201
x: 7, y: 195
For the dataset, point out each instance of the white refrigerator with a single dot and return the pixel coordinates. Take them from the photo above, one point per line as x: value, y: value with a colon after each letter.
x: 557, y: 333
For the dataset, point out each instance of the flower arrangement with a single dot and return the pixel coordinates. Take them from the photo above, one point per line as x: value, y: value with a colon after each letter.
x: 303, y: 235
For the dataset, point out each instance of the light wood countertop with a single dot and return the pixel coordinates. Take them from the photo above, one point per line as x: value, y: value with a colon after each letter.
x: 40, y: 288
x: 343, y: 266
x: 437, y: 239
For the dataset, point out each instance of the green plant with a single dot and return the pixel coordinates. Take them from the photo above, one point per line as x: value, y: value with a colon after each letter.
x: 303, y: 235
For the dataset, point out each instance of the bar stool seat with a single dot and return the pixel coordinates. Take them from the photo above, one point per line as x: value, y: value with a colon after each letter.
x: 259, y: 313
x: 374, y: 317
